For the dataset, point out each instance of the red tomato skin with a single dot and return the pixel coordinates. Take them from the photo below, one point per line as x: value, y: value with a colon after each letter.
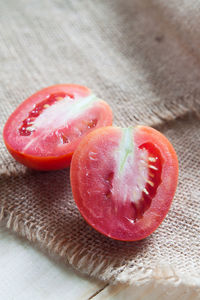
x: 161, y: 203
x: 41, y: 163
x: 48, y: 163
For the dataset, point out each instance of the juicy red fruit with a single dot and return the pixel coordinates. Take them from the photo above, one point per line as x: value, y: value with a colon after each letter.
x: 124, y: 180
x: 43, y: 132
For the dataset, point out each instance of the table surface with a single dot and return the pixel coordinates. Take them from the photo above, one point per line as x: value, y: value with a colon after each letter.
x: 28, y: 273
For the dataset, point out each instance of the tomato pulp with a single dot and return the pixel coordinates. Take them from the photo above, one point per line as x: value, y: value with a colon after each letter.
x: 43, y: 132
x: 123, y: 180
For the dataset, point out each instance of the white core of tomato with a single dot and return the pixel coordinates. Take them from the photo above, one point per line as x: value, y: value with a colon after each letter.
x: 131, y: 173
x: 61, y: 112
x: 126, y: 149
x: 58, y: 116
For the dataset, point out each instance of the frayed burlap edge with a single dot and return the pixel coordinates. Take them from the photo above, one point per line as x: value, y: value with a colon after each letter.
x: 98, y: 267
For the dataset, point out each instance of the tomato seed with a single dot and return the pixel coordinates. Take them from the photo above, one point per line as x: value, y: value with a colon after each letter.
x: 59, y: 98
x: 152, y: 159
x: 46, y: 105
x: 145, y: 191
x: 150, y: 182
x: 30, y: 128
x: 92, y: 155
x: 153, y: 167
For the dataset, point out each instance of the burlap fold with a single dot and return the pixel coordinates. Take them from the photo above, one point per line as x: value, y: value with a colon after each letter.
x: 143, y: 58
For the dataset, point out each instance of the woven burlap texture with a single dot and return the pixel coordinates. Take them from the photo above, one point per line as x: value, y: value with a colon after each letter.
x: 143, y: 58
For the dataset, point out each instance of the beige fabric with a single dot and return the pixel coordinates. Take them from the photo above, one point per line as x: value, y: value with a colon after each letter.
x: 142, y: 57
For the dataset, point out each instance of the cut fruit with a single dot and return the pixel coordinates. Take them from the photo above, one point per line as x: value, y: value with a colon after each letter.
x: 123, y: 180
x: 43, y: 132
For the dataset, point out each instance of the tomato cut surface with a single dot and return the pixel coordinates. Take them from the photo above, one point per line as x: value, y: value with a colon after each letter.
x: 123, y: 180
x: 43, y: 132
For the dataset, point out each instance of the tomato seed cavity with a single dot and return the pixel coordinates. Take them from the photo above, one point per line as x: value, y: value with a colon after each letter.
x: 153, y: 180
x: 28, y: 124
x: 64, y: 139
x: 109, y: 180
x: 92, y: 123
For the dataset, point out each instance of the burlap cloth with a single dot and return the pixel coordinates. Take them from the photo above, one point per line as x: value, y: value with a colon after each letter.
x: 143, y: 57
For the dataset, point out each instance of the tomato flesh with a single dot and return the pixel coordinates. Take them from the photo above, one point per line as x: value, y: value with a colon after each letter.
x: 124, y: 180
x: 45, y: 129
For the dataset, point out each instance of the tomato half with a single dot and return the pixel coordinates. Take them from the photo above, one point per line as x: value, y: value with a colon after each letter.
x: 43, y: 132
x: 123, y: 180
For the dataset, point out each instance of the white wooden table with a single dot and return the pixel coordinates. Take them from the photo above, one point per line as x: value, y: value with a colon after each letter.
x: 28, y: 274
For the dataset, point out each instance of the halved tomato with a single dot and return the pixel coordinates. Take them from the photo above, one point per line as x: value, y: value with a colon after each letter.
x: 123, y: 180
x: 43, y: 132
